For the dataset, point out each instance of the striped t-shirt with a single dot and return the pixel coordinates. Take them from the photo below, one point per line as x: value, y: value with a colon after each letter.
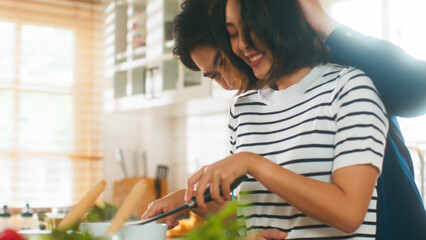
x: 332, y: 118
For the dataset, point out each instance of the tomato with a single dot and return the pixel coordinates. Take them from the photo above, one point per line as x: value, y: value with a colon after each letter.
x: 10, y: 234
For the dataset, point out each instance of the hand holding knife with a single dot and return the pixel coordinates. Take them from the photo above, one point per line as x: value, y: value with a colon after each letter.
x: 189, y: 205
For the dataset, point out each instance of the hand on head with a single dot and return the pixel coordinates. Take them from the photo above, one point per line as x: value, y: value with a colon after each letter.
x: 319, y: 20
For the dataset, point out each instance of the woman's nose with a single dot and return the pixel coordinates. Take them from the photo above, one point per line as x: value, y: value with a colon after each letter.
x: 242, y: 44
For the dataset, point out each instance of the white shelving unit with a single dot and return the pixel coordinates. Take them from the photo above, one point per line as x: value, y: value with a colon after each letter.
x: 141, y: 72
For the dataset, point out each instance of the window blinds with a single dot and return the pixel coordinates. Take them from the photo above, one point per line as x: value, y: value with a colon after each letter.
x: 50, y: 101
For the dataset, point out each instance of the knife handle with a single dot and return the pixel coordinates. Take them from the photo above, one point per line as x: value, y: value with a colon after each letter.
x: 208, y: 198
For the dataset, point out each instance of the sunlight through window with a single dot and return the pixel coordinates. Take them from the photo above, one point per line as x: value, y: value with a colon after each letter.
x: 362, y: 15
x: 7, y: 50
x: 406, y: 20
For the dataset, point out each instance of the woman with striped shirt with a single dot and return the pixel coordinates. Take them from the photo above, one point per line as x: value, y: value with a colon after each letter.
x: 312, y: 139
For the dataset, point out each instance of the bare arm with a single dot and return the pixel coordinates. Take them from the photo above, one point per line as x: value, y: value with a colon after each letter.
x: 343, y: 206
x: 319, y: 20
x: 342, y: 203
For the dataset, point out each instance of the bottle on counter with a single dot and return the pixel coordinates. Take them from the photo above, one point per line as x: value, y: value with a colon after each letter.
x: 27, y: 218
x: 5, y: 218
x: 42, y: 217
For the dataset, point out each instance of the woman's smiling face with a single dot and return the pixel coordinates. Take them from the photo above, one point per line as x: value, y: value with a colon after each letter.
x: 257, y: 58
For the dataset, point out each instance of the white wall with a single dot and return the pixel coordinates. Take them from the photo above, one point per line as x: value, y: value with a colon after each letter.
x: 197, y: 141
x: 183, y: 143
x: 134, y: 133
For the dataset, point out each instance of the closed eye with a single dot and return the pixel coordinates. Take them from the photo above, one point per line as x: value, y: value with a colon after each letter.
x: 211, y: 75
x: 231, y: 30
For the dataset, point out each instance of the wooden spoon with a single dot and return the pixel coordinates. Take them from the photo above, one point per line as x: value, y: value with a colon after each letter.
x: 126, y: 208
x: 82, y: 206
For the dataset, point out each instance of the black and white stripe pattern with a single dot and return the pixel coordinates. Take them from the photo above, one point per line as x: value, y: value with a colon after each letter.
x: 332, y: 118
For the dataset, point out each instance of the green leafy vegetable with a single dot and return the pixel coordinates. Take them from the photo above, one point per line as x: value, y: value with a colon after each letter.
x: 221, y: 226
x: 101, y: 212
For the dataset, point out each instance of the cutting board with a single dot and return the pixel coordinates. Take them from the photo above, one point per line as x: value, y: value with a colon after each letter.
x: 123, y: 187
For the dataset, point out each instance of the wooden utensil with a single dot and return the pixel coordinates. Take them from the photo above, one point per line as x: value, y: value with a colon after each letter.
x: 125, y: 210
x: 161, y: 174
x: 82, y: 206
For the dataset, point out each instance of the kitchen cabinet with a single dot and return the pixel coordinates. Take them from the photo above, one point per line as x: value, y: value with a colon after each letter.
x: 140, y: 71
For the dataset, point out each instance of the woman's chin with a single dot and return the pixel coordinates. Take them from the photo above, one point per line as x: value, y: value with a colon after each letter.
x: 261, y: 76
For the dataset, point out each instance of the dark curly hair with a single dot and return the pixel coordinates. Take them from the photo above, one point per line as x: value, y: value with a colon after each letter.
x: 191, y: 29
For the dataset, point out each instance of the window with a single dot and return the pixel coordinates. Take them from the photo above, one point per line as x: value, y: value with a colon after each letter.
x: 405, y: 19
x: 393, y: 20
x: 369, y: 23
x: 50, y: 101
x: 396, y: 21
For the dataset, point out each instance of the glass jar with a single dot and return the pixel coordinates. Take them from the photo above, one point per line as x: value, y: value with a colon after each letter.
x: 5, y: 218
x: 27, y: 219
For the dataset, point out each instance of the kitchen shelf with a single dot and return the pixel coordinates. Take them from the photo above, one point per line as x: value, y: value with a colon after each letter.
x: 144, y: 73
x: 194, y: 100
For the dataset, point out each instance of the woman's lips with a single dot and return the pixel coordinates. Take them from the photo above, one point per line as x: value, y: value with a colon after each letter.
x: 255, y: 59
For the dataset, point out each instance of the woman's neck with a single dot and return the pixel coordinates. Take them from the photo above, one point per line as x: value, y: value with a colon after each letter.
x: 290, y: 79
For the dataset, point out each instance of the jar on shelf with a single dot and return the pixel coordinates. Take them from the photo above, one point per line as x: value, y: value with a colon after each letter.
x: 27, y: 218
x: 5, y: 218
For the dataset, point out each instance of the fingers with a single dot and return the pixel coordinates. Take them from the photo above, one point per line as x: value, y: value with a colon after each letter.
x: 271, y: 234
x: 215, y: 189
x: 203, y: 184
x: 226, y: 190
x: 190, y: 183
x: 218, y: 177
x: 153, y: 209
x: 171, y: 222
x: 172, y: 225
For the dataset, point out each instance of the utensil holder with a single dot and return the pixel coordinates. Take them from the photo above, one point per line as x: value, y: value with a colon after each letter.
x: 123, y: 187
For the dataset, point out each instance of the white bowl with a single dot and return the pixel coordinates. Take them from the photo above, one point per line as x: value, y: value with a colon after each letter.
x: 96, y: 229
x: 150, y: 231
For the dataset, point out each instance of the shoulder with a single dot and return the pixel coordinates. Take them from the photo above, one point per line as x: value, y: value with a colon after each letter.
x: 343, y: 74
x: 247, y: 97
x: 350, y: 79
x: 247, y: 101
x: 352, y: 76
x: 355, y: 87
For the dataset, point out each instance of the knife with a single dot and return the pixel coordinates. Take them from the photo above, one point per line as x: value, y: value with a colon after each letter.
x: 189, y: 205
x: 119, y: 158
